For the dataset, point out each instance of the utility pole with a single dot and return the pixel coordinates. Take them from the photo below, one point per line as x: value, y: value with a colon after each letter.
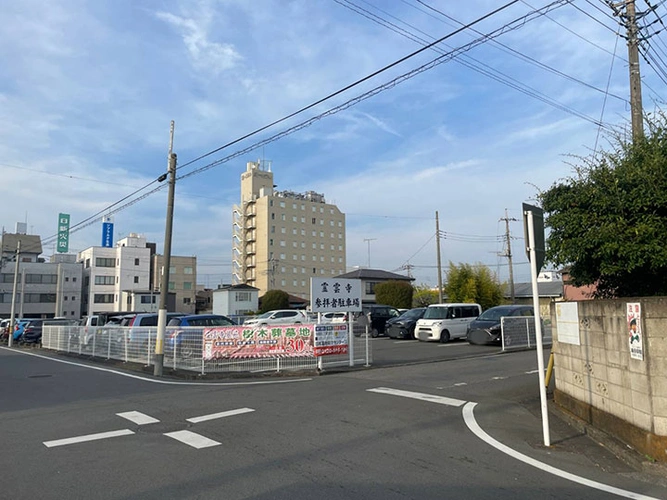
x: 437, y: 246
x: 10, y: 338
x: 508, y: 252
x: 368, y: 240
x: 636, y: 108
x: 164, y: 288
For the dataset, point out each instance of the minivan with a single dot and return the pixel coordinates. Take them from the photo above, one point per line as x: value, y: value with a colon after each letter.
x: 442, y: 322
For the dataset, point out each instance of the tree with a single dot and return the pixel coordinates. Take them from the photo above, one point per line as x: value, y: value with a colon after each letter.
x: 394, y: 293
x: 475, y: 284
x: 274, y: 299
x: 608, y: 221
x: 424, y: 296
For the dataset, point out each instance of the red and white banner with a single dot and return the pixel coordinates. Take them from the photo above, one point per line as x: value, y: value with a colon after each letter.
x: 278, y: 341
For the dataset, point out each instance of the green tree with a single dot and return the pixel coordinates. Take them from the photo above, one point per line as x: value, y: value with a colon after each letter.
x: 394, y: 293
x: 274, y: 299
x: 608, y: 221
x: 424, y: 296
x: 475, y: 284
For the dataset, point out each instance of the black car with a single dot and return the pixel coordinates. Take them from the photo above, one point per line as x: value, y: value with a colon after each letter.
x: 403, y: 327
x: 485, y: 329
x: 32, y: 333
x: 379, y: 315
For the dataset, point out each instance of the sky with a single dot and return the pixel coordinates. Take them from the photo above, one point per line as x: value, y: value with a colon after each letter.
x: 469, y: 128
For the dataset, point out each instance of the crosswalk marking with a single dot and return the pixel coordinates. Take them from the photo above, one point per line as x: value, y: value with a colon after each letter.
x: 192, y: 439
x: 419, y: 395
x: 222, y: 414
x: 88, y: 437
x: 138, y: 417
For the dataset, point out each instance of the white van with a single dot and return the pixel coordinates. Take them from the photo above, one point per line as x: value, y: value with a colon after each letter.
x: 443, y: 322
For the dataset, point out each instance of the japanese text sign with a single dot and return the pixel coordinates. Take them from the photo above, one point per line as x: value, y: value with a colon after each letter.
x: 634, y: 319
x: 63, y: 233
x: 276, y: 341
x: 333, y: 294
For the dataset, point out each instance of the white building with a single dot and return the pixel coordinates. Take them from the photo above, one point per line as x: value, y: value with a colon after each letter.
x: 108, y: 272
x: 235, y: 300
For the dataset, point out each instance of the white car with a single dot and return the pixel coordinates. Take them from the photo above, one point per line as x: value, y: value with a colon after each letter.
x: 278, y: 317
x: 334, y: 317
x: 443, y: 322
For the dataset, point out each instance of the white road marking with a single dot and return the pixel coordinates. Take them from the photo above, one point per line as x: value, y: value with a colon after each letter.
x: 469, y: 418
x: 460, y: 384
x: 419, y: 395
x: 405, y: 342
x: 213, y: 416
x: 192, y: 439
x: 531, y: 372
x: 498, y: 378
x: 155, y: 381
x: 89, y: 437
x: 450, y: 344
x: 138, y: 417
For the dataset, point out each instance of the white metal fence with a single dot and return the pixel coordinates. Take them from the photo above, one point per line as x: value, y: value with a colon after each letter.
x: 183, y: 350
x: 518, y: 332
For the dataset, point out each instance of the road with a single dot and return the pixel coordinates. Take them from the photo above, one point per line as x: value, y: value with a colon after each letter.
x: 388, y: 433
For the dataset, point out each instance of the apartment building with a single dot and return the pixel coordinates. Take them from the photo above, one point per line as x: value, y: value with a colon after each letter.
x: 182, y: 281
x: 282, y: 238
x: 109, y: 272
x: 43, y: 289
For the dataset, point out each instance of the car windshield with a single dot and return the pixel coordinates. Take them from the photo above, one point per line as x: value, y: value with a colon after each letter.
x: 435, y: 313
x: 495, y: 313
x: 412, y: 314
x: 266, y: 314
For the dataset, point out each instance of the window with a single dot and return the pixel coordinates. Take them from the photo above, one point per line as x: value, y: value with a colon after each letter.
x: 171, y: 286
x: 187, y: 300
x: 242, y: 296
x: 282, y: 243
x: 188, y: 270
x: 294, y: 218
x: 321, y: 234
x: 283, y: 217
x: 187, y: 285
x: 65, y: 297
x: 66, y: 278
x: 136, y: 279
x: 331, y: 223
x: 370, y: 287
x: 273, y: 216
x: 282, y: 282
x: 148, y: 299
x: 303, y: 232
x: 282, y: 230
x: 172, y: 270
x: 294, y: 206
x: 314, y: 270
x: 104, y: 280
x: 74, y: 279
x: 314, y: 220
x: 273, y: 229
x: 340, y: 224
x: 103, y: 298
x: 282, y: 204
x: 104, y: 262
x: 41, y: 278
x: 282, y: 256
x: 271, y: 242
x: 303, y: 220
x: 314, y: 246
x: 321, y: 210
x: 136, y: 262
x: 87, y: 263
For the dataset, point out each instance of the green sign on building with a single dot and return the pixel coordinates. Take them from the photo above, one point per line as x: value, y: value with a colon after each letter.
x: 63, y: 233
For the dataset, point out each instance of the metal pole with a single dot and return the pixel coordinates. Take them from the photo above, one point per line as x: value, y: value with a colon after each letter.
x: 164, y: 289
x: 10, y: 338
x: 538, y: 330
x: 22, y: 293
x: 437, y: 246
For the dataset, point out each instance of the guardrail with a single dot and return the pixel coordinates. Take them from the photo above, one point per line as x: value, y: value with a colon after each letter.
x: 183, y: 350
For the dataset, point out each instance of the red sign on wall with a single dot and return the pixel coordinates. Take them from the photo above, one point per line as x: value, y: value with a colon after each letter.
x: 278, y: 341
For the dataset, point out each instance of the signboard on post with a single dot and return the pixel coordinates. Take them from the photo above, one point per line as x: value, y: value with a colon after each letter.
x: 333, y: 294
x: 538, y: 237
x: 63, y: 233
x: 634, y: 318
x: 330, y: 339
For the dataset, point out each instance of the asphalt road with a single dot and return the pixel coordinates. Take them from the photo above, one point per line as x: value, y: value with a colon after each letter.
x: 338, y: 436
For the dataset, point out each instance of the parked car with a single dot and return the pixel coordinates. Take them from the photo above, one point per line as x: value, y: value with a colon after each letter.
x: 333, y: 317
x: 184, y: 336
x: 19, y: 328
x: 403, y: 327
x: 442, y: 322
x: 31, y: 332
x: 379, y: 315
x: 140, y: 325
x: 486, y: 328
x: 4, y: 329
x: 278, y: 317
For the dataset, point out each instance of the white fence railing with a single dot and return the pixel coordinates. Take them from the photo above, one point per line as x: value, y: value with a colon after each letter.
x: 183, y: 350
x: 518, y: 332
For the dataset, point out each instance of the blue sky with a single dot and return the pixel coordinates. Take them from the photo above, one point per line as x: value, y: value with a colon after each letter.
x: 89, y: 89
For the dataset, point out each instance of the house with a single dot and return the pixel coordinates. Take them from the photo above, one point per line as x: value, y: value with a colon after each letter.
x: 235, y: 300
x: 370, y: 278
x: 548, y: 291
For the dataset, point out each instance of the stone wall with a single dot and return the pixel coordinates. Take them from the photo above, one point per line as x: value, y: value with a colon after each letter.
x: 601, y: 383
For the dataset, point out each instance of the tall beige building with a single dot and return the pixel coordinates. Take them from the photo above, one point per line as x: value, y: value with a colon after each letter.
x: 281, y: 238
x: 182, y: 280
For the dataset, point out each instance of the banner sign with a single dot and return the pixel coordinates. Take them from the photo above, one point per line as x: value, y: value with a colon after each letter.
x: 63, y: 233
x: 277, y: 341
x: 335, y: 294
x: 330, y: 339
x: 107, y: 234
x: 634, y: 318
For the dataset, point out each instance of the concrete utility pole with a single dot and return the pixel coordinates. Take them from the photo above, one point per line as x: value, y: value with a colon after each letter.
x: 508, y: 252
x: 437, y: 246
x: 10, y: 338
x: 635, y: 78
x: 164, y: 288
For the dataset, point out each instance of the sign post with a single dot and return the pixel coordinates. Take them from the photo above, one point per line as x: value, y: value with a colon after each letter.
x: 533, y: 225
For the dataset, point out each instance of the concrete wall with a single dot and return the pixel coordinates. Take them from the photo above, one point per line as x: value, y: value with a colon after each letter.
x: 599, y: 381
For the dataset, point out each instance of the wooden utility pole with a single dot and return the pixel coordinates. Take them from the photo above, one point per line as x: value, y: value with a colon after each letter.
x: 635, y: 78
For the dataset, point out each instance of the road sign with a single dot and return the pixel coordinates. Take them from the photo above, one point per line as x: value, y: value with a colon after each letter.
x: 335, y: 294
x: 537, y: 239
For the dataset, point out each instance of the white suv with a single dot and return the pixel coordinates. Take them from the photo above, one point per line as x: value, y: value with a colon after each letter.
x: 278, y: 317
x: 443, y: 322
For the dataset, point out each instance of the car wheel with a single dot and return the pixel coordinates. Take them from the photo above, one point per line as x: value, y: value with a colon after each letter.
x: 374, y: 333
x: 444, y: 337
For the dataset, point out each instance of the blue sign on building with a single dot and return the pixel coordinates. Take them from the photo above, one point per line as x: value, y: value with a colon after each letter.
x: 107, y: 234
